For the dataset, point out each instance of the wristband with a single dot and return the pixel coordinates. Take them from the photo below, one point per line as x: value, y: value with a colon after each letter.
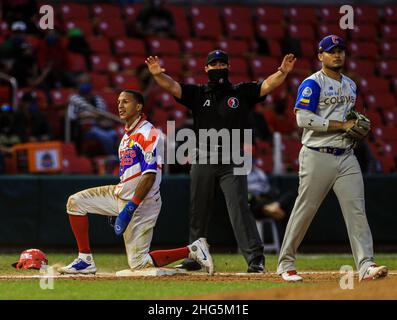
x: 136, y: 200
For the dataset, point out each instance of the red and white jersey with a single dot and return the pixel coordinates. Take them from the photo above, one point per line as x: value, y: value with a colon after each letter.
x: 138, y: 154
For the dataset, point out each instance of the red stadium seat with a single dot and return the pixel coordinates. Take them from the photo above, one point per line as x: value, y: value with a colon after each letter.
x: 329, y: 14
x: 239, y: 29
x: 294, y: 82
x: 234, y: 47
x: 107, y: 12
x: 173, y: 65
x: 380, y: 100
x: 301, y: 31
x: 374, y: 85
x: 122, y: 81
x: 162, y: 46
x: 112, y: 28
x: 359, y: 105
x: 361, y: 67
x: 99, y: 81
x: 103, y: 63
x: 309, y: 49
x: 99, y: 44
x: 60, y: 97
x: 197, y: 79
x: 389, y: 32
x: 198, y: 46
x: 84, y: 25
x: 364, y: 32
x: 129, y: 46
x: 263, y: 66
x: 265, y: 163
x: 366, y: 14
x: 389, y: 49
x: 131, y: 11
x: 390, y: 13
x: 391, y: 118
x: 205, y: 12
x: 208, y: 29
x: 235, y: 12
x: 302, y: 66
x: 110, y: 98
x: 388, y: 163
x: 131, y: 62
x: 363, y: 50
x: 76, y: 62
x: 195, y: 65
x: 270, y: 31
x: 275, y: 48
x: 376, y: 120
x: 269, y: 14
x: 324, y: 30
x: 74, y: 11
x: 239, y: 67
x: 386, y: 134
x: 387, y: 68
x: 302, y: 14
x: 182, y: 27
x: 4, y: 28
x: 77, y: 165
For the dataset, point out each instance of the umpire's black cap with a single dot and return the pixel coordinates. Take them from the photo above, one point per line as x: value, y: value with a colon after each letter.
x: 217, y: 55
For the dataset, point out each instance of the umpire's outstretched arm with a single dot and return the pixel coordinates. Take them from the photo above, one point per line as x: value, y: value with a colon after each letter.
x: 163, y: 80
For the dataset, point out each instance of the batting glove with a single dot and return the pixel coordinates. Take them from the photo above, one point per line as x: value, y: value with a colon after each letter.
x: 125, y: 217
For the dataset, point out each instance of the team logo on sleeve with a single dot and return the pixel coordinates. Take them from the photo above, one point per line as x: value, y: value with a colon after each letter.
x: 233, y: 102
x: 149, y: 157
x: 307, y: 92
x: 131, y: 143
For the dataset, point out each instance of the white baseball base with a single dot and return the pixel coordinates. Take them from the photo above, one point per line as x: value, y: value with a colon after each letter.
x: 150, y: 272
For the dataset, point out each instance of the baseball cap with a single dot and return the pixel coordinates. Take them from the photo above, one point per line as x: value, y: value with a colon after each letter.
x: 18, y: 26
x: 331, y: 41
x: 217, y: 55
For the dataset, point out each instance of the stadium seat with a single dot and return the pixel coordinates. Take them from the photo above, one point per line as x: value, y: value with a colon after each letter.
x: 309, y: 49
x: 359, y: 105
x: 99, y: 45
x: 182, y: 27
x: 390, y: 13
x: 131, y: 11
x: 107, y: 12
x: 129, y: 46
x: 364, y: 32
x: 99, y: 80
x: 390, y: 118
x: 363, y: 49
x: 162, y: 46
x: 388, y: 163
x: 76, y: 62
x: 265, y: 163
x: 131, y: 62
x: 68, y: 149
x: 110, y: 98
x: 263, y: 66
x: 386, y: 134
x: 366, y: 14
x: 112, y: 28
x: 77, y: 165
x: 373, y: 85
x: 324, y: 30
x: 196, y: 79
x: 104, y: 63
x: 74, y: 11
x: 376, y: 119
x: 205, y: 12
x: 389, y: 49
x: 389, y: 32
x: 173, y: 65
x: 84, y: 25
x: 270, y: 31
x: 387, y: 68
x: 198, y: 46
x: 239, y: 67
x: 294, y: 82
x: 302, y: 66
x: 380, y: 100
x: 234, y: 47
x: 123, y: 81
x: 275, y: 48
x: 302, y: 14
x: 361, y: 67
x: 207, y: 29
x: 329, y: 14
x: 239, y: 29
x: 60, y: 97
x: 4, y: 28
x: 236, y: 12
x: 195, y: 65
x: 269, y: 14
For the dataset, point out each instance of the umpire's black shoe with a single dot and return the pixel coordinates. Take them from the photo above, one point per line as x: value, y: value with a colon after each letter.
x: 257, y: 265
x: 189, y: 265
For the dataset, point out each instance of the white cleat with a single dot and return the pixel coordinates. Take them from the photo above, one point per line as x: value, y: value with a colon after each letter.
x: 199, y: 251
x: 291, y: 276
x: 79, y: 266
x: 375, y: 272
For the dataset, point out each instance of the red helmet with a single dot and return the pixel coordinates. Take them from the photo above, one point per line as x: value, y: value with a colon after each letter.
x: 31, y: 259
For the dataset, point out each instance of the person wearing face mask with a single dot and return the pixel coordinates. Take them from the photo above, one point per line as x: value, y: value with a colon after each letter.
x: 221, y: 105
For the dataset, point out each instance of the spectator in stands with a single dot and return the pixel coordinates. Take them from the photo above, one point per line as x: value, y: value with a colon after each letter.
x: 78, y: 44
x: 155, y: 20
x: 52, y: 61
x: 21, y: 10
x: 83, y: 110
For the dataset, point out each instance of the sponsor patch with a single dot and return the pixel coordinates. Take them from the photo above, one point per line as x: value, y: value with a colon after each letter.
x: 149, y: 157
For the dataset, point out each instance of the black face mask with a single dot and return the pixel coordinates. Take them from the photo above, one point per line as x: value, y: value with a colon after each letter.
x: 218, y: 76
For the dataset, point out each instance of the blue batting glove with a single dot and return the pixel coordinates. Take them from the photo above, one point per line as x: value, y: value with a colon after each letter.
x: 124, y: 218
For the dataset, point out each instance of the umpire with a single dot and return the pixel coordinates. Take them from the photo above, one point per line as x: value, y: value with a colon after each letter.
x: 219, y: 104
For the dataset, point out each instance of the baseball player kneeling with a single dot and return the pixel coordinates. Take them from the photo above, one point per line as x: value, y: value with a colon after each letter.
x: 135, y: 201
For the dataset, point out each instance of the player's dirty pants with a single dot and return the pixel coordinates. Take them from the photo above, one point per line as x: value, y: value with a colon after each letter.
x: 234, y: 187
x: 139, y: 233
x: 318, y: 173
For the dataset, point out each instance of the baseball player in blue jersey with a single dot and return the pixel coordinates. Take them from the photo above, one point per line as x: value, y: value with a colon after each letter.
x: 327, y: 161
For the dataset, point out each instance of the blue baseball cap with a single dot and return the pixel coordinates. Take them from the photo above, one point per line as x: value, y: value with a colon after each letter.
x: 329, y: 42
x: 217, y: 55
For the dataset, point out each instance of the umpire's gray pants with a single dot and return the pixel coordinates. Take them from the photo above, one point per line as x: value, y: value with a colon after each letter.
x: 318, y: 173
x: 204, y: 178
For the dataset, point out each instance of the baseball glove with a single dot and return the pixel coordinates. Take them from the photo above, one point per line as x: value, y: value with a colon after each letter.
x: 362, y: 126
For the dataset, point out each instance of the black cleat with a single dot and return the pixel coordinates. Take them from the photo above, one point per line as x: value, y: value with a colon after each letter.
x: 189, y: 265
x: 257, y: 265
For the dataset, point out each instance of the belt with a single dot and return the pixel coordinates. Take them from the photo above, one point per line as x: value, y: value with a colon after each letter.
x: 331, y: 150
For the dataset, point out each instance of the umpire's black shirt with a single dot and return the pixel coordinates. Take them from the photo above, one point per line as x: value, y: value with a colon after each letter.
x: 220, y: 106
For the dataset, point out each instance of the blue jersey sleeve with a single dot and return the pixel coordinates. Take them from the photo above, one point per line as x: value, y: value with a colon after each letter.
x: 308, y: 95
